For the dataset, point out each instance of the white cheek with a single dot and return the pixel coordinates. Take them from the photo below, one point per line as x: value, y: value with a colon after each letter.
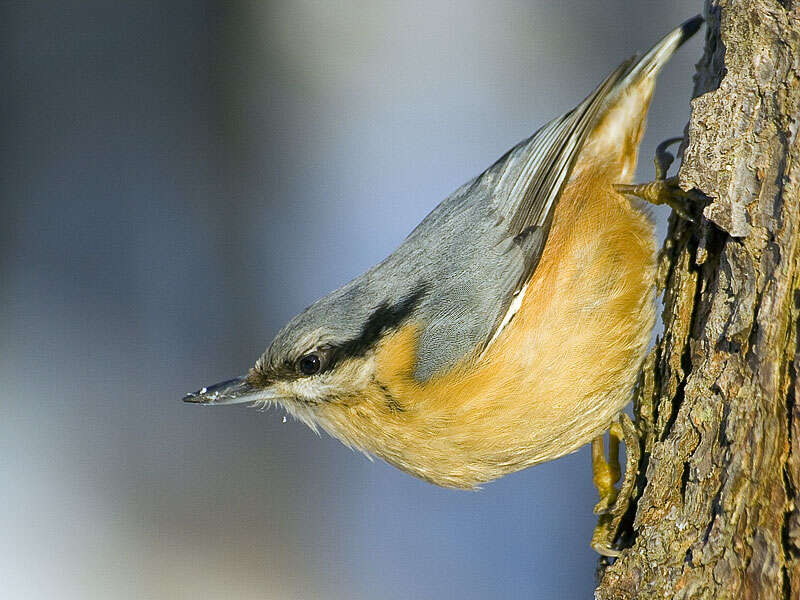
x: 309, y: 389
x: 348, y: 378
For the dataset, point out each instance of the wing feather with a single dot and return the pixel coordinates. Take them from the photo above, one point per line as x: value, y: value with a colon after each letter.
x: 533, y: 188
x: 503, y: 218
x: 550, y: 156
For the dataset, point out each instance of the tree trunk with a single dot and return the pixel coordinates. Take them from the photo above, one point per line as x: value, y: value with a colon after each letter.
x: 714, y: 511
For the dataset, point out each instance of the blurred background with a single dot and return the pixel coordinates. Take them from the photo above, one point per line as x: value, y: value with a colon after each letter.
x: 177, y: 180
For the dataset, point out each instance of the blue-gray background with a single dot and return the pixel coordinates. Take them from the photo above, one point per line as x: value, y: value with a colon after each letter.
x: 180, y: 178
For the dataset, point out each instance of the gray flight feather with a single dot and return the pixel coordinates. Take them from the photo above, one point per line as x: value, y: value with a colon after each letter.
x: 456, y: 274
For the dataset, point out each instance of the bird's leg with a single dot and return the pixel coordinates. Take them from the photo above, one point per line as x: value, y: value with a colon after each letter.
x: 606, y: 473
x: 613, y: 504
x: 664, y: 190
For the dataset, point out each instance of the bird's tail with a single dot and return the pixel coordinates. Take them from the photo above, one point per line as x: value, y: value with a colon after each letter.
x: 651, y: 63
x: 614, y: 140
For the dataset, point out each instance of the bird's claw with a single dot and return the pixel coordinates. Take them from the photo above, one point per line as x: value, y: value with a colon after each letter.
x: 613, y: 503
x: 664, y: 190
x: 663, y: 159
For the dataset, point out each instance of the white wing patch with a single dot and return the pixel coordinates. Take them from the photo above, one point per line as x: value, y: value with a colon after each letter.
x: 513, y: 308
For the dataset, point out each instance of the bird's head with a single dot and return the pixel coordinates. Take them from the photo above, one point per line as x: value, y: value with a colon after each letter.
x: 323, y: 361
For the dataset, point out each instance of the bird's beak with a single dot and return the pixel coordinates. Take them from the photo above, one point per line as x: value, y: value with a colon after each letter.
x: 233, y: 391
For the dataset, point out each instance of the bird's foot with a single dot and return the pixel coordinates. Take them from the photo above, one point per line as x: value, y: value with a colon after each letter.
x: 664, y: 190
x: 606, y: 472
x: 613, y: 503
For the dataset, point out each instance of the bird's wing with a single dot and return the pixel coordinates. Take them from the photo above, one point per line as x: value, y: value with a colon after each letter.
x: 489, y: 237
x: 480, y: 247
x: 529, y: 187
x: 530, y: 184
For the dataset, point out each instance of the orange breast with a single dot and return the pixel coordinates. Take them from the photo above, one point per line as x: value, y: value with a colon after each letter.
x: 554, y: 378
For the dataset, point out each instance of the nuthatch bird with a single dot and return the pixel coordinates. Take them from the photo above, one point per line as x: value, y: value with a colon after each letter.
x: 508, y: 328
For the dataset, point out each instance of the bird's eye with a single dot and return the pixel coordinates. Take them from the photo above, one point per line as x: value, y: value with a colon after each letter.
x: 309, y: 364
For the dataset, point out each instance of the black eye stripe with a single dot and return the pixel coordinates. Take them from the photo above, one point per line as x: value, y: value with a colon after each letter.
x: 385, y: 317
x: 382, y: 319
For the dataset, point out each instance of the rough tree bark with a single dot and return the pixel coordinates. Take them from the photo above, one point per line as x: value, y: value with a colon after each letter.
x: 714, y: 512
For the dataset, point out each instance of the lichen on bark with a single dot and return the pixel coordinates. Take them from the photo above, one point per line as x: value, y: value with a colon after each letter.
x: 714, y: 513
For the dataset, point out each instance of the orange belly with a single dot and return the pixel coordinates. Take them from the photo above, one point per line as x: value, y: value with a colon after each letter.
x: 554, y: 378
x: 582, y: 331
